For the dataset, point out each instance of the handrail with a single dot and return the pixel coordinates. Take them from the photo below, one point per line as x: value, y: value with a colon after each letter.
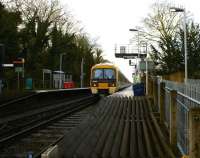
x: 189, y: 98
x: 185, y: 96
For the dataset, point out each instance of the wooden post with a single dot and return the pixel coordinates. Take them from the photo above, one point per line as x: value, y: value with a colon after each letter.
x: 173, y: 125
x: 194, y: 133
x: 162, y: 98
x: 150, y: 87
x: 156, y: 92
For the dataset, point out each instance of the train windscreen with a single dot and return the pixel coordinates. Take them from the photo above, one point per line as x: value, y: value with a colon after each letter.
x: 104, y: 74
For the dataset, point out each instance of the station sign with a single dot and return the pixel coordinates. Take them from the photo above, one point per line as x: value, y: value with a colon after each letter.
x: 7, y: 65
x: 142, y: 65
x: 131, y: 63
x: 47, y: 71
x: 18, y: 69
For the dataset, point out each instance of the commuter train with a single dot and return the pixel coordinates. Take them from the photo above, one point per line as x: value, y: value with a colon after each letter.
x: 106, y: 78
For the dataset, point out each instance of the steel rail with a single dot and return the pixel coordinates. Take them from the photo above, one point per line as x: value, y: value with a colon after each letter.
x: 38, y: 111
x: 82, y: 103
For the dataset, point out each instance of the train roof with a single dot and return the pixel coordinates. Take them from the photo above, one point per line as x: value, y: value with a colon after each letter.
x: 104, y: 65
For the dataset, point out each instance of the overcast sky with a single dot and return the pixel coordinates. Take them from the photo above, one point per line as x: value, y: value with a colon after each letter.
x: 110, y: 21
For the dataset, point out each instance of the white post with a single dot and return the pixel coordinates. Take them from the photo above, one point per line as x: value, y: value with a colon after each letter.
x: 60, y: 71
x: 43, y: 78
x: 60, y: 84
x: 185, y: 47
x: 50, y: 84
x: 146, y: 72
x: 146, y: 76
x: 82, y: 62
x: 23, y: 74
x: 23, y: 67
x: 138, y: 44
x: 18, y: 80
x: 138, y: 59
x: 1, y: 85
x: 174, y: 9
x: 138, y: 51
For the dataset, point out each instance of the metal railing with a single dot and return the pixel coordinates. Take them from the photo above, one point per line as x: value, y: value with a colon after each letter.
x: 187, y: 98
x: 166, y: 107
x: 194, y: 81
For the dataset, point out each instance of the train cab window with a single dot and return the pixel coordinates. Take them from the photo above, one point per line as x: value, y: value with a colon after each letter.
x: 109, y: 74
x: 98, y: 74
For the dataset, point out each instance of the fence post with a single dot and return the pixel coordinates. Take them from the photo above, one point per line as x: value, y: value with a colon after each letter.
x: 150, y: 87
x: 173, y: 125
x: 155, y: 91
x: 194, y: 133
x: 162, y: 98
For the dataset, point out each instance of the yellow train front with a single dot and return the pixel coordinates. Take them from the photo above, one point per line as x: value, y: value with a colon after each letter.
x: 104, y: 78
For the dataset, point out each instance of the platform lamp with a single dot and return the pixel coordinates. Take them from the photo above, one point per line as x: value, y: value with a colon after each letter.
x: 61, y: 56
x: 174, y: 9
x: 146, y: 45
x: 138, y: 40
x: 136, y: 30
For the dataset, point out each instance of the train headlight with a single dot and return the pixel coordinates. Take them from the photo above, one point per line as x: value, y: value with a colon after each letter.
x: 94, y: 84
x: 112, y: 84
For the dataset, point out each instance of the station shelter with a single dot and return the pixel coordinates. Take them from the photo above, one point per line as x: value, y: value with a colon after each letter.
x: 64, y: 78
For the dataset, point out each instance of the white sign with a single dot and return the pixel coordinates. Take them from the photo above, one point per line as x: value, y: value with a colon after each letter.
x: 7, y: 65
x: 46, y: 71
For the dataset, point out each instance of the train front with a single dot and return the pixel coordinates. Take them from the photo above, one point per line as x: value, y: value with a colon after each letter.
x: 103, y: 79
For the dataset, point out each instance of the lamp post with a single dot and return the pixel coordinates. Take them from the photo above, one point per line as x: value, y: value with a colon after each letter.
x: 153, y: 36
x: 174, y: 9
x: 135, y: 30
x: 2, y: 53
x: 146, y: 66
x: 138, y: 40
x: 60, y: 84
x: 82, y: 72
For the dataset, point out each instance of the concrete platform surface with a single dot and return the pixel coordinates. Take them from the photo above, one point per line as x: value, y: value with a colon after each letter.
x: 126, y: 92
x: 123, y: 126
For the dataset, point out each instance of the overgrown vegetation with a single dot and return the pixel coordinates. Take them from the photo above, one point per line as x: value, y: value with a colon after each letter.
x: 168, y: 52
x: 40, y: 31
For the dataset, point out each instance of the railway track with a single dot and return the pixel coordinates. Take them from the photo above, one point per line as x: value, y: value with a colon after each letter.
x: 39, y: 99
x: 34, y: 130
x: 120, y: 126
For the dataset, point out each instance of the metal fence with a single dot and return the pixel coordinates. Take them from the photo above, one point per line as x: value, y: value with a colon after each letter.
x: 166, y: 108
x: 188, y: 96
x: 194, y: 81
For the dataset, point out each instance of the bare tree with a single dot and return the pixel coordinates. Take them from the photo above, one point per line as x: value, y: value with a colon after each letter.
x: 161, y: 21
x: 48, y: 11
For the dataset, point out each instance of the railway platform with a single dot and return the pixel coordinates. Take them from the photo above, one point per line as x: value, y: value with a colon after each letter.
x: 121, y: 126
x: 75, y: 123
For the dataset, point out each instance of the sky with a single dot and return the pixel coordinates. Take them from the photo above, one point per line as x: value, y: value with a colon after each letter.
x: 109, y: 21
